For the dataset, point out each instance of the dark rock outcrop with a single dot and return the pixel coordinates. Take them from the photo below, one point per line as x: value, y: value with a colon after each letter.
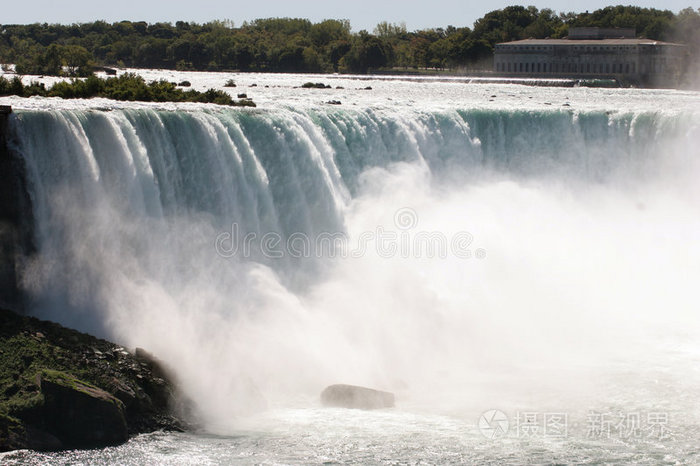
x: 15, y: 224
x: 310, y: 85
x: 61, y: 389
x: 79, y: 414
x: 353, y: 396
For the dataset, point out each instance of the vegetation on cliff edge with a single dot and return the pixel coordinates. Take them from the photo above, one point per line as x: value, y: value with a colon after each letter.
x: 128, y: 86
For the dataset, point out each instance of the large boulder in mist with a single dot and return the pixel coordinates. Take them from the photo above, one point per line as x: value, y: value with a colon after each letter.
x: 353, y: 396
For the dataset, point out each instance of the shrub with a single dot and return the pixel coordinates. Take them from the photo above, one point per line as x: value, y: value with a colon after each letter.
x: 310, y: 85
x: 129, y: 87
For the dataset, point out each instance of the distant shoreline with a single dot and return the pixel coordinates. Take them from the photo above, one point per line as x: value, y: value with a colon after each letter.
x: 298, y: 45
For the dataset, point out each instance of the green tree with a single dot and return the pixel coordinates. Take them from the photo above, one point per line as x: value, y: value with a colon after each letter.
x: 77, y: 60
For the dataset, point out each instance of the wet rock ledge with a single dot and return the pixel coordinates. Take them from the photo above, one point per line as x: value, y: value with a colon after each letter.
x: 62, y: 389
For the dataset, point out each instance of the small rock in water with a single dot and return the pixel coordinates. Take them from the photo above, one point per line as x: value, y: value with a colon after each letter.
x: 353, y: 396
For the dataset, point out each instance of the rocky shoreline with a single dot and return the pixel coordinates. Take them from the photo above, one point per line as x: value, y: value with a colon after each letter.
x: 62, y: 389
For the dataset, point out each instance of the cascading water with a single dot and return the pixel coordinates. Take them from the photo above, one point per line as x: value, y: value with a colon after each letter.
x: 466, y: 259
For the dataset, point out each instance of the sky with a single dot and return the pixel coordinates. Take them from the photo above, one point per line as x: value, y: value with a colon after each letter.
x: 363, y: 14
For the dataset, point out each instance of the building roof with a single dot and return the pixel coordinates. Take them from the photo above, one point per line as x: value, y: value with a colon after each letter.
x: 601, y: 33
x: 588, y: 42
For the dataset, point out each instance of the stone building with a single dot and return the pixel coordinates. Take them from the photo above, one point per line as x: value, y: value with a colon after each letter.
x: 594, y: 53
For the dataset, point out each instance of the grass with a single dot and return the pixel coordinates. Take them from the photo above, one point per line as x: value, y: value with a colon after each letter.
x: 48, y: 350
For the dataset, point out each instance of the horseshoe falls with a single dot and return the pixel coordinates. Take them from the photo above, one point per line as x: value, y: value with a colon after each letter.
x: 518, y: 265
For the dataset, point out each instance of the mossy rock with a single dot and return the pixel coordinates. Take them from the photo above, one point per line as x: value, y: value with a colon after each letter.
x: 79, y: 414
x: 67, y: 389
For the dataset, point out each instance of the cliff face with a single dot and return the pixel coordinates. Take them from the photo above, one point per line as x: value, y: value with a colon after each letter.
x: 15, y: 220
x: 61, y: 389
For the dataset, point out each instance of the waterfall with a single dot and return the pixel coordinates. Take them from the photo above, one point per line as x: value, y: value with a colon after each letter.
x: 558, y: 214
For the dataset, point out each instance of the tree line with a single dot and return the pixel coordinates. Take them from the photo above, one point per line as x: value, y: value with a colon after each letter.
x: 299, y: 45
